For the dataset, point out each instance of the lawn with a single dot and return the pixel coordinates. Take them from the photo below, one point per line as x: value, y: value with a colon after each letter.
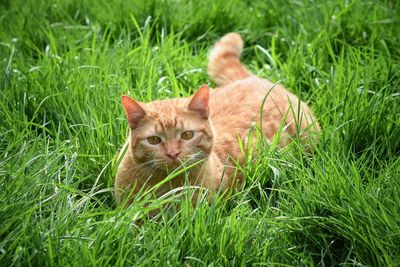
x: 65, y: 64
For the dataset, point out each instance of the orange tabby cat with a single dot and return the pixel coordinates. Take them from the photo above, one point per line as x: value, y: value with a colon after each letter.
x: 207, y: 126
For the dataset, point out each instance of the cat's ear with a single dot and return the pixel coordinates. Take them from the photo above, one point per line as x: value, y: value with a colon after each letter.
x: 199, y: 102
x: 134, y: 112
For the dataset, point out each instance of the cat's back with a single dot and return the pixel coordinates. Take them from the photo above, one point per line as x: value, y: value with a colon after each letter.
x: 238, y: 104
x: 236, y: 107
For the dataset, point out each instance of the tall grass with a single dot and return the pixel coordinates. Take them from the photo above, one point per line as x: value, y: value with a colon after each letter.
x: 64, y: 65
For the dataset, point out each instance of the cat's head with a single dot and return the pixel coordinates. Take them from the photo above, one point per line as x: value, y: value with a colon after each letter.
x: 168, y: 133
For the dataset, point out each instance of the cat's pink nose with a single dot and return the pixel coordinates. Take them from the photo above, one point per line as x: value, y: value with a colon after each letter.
x: 173, y: 154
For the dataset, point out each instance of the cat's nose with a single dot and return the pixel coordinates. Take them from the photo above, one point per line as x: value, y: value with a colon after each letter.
x: 173, y: 154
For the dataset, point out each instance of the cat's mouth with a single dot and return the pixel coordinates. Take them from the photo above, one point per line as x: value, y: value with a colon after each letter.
x: 176, y: 163
x: 167, y: 163
x: 172, y: 164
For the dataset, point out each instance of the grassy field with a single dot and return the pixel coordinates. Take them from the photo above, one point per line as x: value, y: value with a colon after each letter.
x: 64, y: 65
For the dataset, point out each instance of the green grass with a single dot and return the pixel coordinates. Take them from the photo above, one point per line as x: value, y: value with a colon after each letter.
x: 64, y: 66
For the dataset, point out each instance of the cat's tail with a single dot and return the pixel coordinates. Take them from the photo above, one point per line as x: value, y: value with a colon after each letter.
x: 224, y: 64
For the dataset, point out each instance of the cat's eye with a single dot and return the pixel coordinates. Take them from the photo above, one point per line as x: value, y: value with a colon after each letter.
x: 154, y: 140
x: 187, y: 135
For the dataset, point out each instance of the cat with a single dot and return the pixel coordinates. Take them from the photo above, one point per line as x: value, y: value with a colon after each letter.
x: 206, y: 127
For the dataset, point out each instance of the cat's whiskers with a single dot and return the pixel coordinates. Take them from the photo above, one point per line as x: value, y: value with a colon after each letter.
x: 193, y: 158
x: 145, y: 172
x: 141, y: 168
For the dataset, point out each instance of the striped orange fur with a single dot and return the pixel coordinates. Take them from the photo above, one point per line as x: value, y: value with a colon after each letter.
x: 214, y: 120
